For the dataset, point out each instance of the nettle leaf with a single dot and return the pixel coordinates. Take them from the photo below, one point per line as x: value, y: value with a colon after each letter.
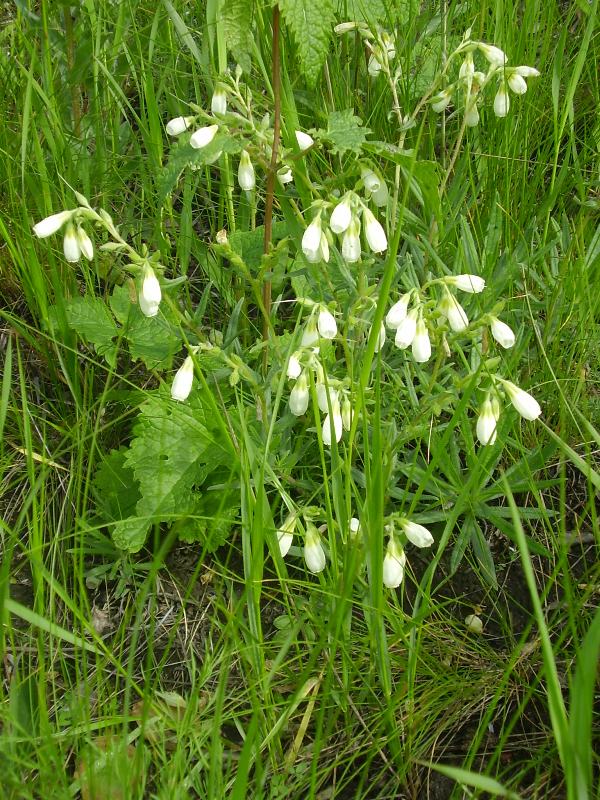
x: 344, y: 132
x: 114, y: 487
x: 249, y: 245
x: 173, y: 451
x: 92, y: 320
x: 236, y: 18
x: 183, y: 155
x: 154, y: 340
x: 311, y: 23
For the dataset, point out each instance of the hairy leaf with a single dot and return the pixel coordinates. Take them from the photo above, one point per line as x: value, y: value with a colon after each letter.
x: 311, y: 23
x: 91, y: 319
x: 344, y: 132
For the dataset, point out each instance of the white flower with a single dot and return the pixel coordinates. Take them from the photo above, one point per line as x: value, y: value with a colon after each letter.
x: 527, y: 72
x: 374, y: 232
x: 406, y: 330
x: 85, y: 243
x: 454, y: 312
x: 322, y: 392
x: 51, y: 224
x: 517, y: 83
x: 493, y: 54
x: 502, y: 333
x: 218, y: 103
x: 314, y: 555
x: 179, y: 125
x: 472, y: 115
x: 333, y: 420
x: 150, y: 295
x: 472, y: 284
x: 341, y: 216
x: 351, y: 241
x: 311, y: 240
x: 441, y: 101
x: 501, y: 101
x: 310, y: 334
x: 474, y: 623
x: 393, y: 564
x: 416, y: 534
x: 398, y: 312
x: 294, y: 368
x: 326, y: 324
x: 347, y: 414
x: 182, y: 382
x: 380, y: 339
x: 421, y: 344
x: 324, y: 248
x: 71, y: 247
x: 304, y: 140
x: 285, y: 535
x: 284, y: 175
x: 246, y: 178
x: 299, y: 396
x: 203, y: 136
x: 527, y: 406
x: 380, y: 197
x: 374, y: 66
x: 370, y: 179
x: 467, y: 68
x: 354, y: 526
x: 487, y: 422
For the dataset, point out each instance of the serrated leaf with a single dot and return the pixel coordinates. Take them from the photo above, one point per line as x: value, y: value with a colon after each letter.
x: 236, y: 18
x: 359, y: 10
x: 249, y: 245
x: 91, y: 319
x: 311, y: 23
x: 344, y: 132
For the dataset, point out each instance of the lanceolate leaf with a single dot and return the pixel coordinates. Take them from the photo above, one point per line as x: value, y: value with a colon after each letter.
x: 311, y: 23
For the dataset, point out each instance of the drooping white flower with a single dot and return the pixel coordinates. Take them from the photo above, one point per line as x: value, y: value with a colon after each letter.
x: 370, y: 179
x: 341, y: 216
x: 51, y: 224
x: 311, y: 240
x: 203, y: 136
x: 246, y: 177
x: 472, y: 284
x: 323, y: 392
x: 347, y: 413
x: 285, y: 534
x: 150, y: 294
x: 454, y: 312
x: 472, y: 115
x: 177, y: 126
x: 354, y: 526
x: 333, y: 420
x: 398, y: 312
x: 495, y: 56
x: 71, y: 247
x: 406, y: 330
x: 218, y: 103
x: 527, y: 406
x: 85, y: 243
x: 393, y: 563
x: 441, y: 101
x: 416, y: 534
x: 517, y: 83
x: 380, y: 197
x: 285, y: 175
x: 374, y: 232
x: 310, y: 334
x: 467, y: 68
x: 501, y: 101
x: 351, y: 241
x: 487, y: 422
x: 421, y: 343
x: 527, y: 72
x: 374, y: 66
x: 299, y: 396
x: 502, y: 333
x: 304, y: 140
x: 182, y: 382
x: 294, y: 368
x: 314, y: 555
x: 326, y: 324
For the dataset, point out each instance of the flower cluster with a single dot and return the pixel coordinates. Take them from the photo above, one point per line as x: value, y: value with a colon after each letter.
x: 395, y: 557
x: 76, y: 241
x: 380, y: 44
x: 489, y: 413
x: 471, y: 82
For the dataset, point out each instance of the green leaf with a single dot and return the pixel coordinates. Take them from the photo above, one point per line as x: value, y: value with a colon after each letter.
x: 114, y: 487
x: 344, y: 132
x: 172, y: 453
x: 236, y: 18
x: 367, y: 10
x: 311, y: 24
x: 91, y: 319
x: 249, y: 245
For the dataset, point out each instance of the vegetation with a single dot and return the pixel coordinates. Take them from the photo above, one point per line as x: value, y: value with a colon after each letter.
x: 299, y: 399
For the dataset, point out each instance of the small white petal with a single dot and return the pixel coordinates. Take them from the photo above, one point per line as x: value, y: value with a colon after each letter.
x: 314, y: 555
x: 486, y: 423
x: 527, y: 72
x: 501, y: 102
x: 472, y: 284
x: 322, y: 392
x: 218, y: 103
x: 421, y: 343
x: 294, y: 368
x: 406, y: 330
x: 393, y: 564
x: 178, y: 125
x: 502, y: 333
x: 51, y: 224
x: 311, y: 241
x: 441, y: 101
x: 203, y: 136
x: 310, y: 335
x: 527, y: 406
x: 299, y: 396
x: 150, y: 295
x: 85, y: 244
x: 374, y: 232
x: 71, y: 247
x: 517, y: 83
x: 398, y: 312
x: 246, y: 177
x: 183, y: 380
x: 370, y: 179
x: 380, y: 197
x: 326, y: 324
x: 351, y: 242
x: 304, y: 140
x: 341, y: 216
x: 354, y: 526
x: 336, y: 418
x: 416, y: 534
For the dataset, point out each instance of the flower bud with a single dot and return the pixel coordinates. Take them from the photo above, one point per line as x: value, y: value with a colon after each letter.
x: 351, y: 241
x: 398, y: 312
x: 370, y: 179
x: 454, y: 312
x: 487, y: 422
x: 502, y: 333
x: 51, y: 224
x: 310, y: 335
x: 421, y: 344
x: 311, y: 240
x: 304, y: 140
x: 71, y: 247
x: 85, y: 243
x: 246, y: 178
x: 150, y: 295
x: 341, y: 216
x: 326, y: 324
x: 294, y: 367
x: 380, y: 196
x: 285, y: 175
x: 501, y: 101
x: 182, y: 382
x: 376, y: 238
x: 393, y: 564
x: 285, y: 534
x: 527, y: 406
x: 333, y: 420
x: 472, y: 284
x: 467, y: 68
x: 314, y: 555
x: 178, y: 125
x: 218, y: 103
x: 517, y: 83
x: 495, y: 56
x: 406, y: 330
x: 354, y: 527
x: 416, y: 534
x: 472, y: 115
x: 299, y: 396
x: 203, y: 136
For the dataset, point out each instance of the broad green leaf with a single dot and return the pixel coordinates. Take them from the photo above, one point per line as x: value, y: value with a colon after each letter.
x: 311, y: 23
x: 249, y: 245
x: 92, y: 320
x: 344, y: 132
x: 236, y: 18
x: 114, y: 487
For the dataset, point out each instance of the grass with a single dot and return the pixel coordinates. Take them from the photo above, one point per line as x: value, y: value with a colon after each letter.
x: 177, y: 672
